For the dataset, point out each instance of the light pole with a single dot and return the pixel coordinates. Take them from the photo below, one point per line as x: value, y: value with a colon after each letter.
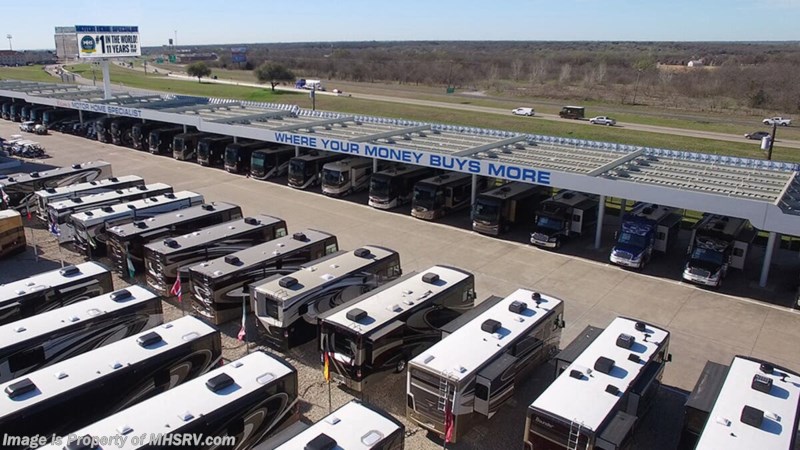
x: 176, y: 38
x: 8, y: 36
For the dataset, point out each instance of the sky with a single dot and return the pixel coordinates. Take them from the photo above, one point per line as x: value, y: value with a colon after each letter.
x: 252, y: 21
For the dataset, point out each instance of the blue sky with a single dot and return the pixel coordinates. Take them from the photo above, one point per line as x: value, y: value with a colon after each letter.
x: 245, y: 21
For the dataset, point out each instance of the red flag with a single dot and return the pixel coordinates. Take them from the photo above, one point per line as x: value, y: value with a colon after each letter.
x: 242, y: 332
x: 28, y: 211
x: 448, y: 423
x: 176, y: 289
x: 326, y: 371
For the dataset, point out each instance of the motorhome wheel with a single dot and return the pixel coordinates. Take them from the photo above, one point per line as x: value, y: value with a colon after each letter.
x: 401, y: 366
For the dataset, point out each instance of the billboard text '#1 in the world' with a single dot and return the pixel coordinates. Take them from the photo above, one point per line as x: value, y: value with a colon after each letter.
x: 108, y: 41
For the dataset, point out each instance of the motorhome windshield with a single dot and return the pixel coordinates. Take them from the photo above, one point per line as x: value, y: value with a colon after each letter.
x: 380, y: 186
x: 179, y: 144
x: 549, y: 223
x: 633, y: 240
x: 343, y: 342
x: 333, y: 177
x: 202, y: 150
x: 708, y: 256
x: 297, y: 168
x: 428, y: 196
x: 230, y: 156
x: 486, y: 209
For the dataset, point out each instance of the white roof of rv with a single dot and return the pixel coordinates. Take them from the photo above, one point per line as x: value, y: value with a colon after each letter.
x: 386, y: 304
x: 272, y: 249
x: 47, y: 279
x: 353, y: 426
x: 100, y: 215
x: 46, y: 322
x: 167, y: 219
x: 19, y: 178
x: 188, y: 402
x: 103, y: 196
x: 468, y: 348
x: 725, y: 428
x: 79, y: 370
x: 586, y: 401
x: 44, y: 193
x: 211, y: 233
x: 312, y: 276
x: 652, y: 211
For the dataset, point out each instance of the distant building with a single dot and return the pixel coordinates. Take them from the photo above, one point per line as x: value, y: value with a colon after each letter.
x: 696, y: 63
x: 11, y: 58
x: 66, y: 43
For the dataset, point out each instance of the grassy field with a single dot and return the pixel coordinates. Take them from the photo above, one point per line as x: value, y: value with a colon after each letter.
x: 32, y: 73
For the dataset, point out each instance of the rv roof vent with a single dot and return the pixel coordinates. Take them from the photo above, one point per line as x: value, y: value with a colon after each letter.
x: 633, y: 357
x: 148, y: 339
x: 761, y: 383
x: 604, y: 365
x: 80, y: 443
x: 234, y: 260
x: 394, y: 308
x: 50, y: 190
x: 428, y: 359
x: 119, y: 191
x: 20, y: 329
x: 332, y: 420
x: 611, y: 389
x: 430, y: 278
x: 299, y: 237
x: 647, y: 211
x: 69, y: 270
x: 505, y: 189
x: 362, y: 252
x: 625, y: 341
x: 723, y: 421
x: 640, y: 326
x: 34, y: 174
x: 568, y: 195
x: 140, y: 224
x: 20, y: 387
x: 517, y: 307
x: 141, y: 187
x: 767, y: 368
x: 251, y: 221
x: 120, y: 295
x: 154, y: 199
x: 219, y: 382
x: 169, y: 195
x: 537, y: 297
x: 490, y: 326
x: 356, y: 314
x: 207, y: 207
x: 106, y: 209
x: 130, y: 206
x: 287, y: 282
x: 76, y: 166
x: 77, y: 200
x: 577, y: 374
x: 321, y: 442
x: 752, y: 416
x: 171, y: 243
x: 112, y: 179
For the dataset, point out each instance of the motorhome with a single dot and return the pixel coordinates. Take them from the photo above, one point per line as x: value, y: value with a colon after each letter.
x: 306, y: 170
x: 140, y: 134
x: 599, y: 397
x: 718, y: 243
x: 750, y: 404
x: 220, y: 286
x: 54, y: 289
x: 565, y: 215
x: 184, y: 145
x: 50, y: 337
x: 380, y: 331
x: 271, y: 162
x: 55, y: 115
x: 440, y: 195
x: 346, y: 176
x: 20, y: 187
x: 160, y: 140
x: 12, y: 233
x: 126, y: 242
x: 234, y: 406
x: 475, y: 369
x: 47, y: 196
x: 15, y: 113
x: 90, y: 226
x: 211, y: 150
x: 239, y: 154
x: 167, y: 259
x: 287, y: 306
x: 121, y: 130
x: 102, y: 127
x: 394, y: 186
x: 86, y: 388
x: 646, y: 229
x: 498, y: 210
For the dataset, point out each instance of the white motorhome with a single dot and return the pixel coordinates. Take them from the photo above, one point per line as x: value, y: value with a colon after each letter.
x: 47, y: 196
x: 346, y: 176
x: 20, y: 187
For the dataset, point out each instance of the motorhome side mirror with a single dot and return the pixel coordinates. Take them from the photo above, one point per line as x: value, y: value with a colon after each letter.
x: 668, y: 358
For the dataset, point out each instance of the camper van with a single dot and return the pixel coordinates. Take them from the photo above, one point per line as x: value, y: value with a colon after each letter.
x: 394, y: 186
x: 440, y: 195
x: 306, y: 170
x: 12, y: 233
x: 47, y: 196
x: 271, y: 162
x: 346, y: 176
x: 20, y: 188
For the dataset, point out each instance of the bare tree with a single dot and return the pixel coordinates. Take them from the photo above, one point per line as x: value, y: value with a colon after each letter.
x: 564, y: 76
x: 516, y: 69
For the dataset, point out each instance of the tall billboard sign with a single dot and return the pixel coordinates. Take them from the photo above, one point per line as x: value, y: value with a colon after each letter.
x: 107, y: 41
x: 239, y: 54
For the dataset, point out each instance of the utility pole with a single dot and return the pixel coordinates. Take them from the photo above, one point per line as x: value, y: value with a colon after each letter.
x: 772, y: 140
x: 10, y: 48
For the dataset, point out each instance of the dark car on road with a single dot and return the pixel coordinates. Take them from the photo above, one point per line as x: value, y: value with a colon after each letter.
x: 757, y: 135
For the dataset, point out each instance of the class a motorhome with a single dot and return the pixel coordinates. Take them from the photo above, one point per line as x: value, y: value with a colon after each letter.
x: 750, y: 404
x: 51, y: 290
x: 718, y: 243
x: 102, y: 126
x: 565, y: 215
x: 184, y: 145
x: 355, y: 425
x: 271, y: 162
x: 346, y: 176
x: 90, y: 226
x: 211, y: 150
x: 220, y: 286
x: 46, y: 197
x: 86, y: 388
x: 167, y: 259
x: 246, y: 400
x: 50, y: 337
x: 380, y: 331
x: 498, y: 210
x: 306, y: 170
x: 287, y: 306
x: 600, y: 395
x: 126, y: 242
x: 394, y: 186
x: 121, y: 130
x: 21, y: 187
x: 238, y: 155
x: 440, y: 195
x: 159, y: 141
x: 12, y: 233
x: 140, y: 134
x: 474, y: 370
x: 646, y: 229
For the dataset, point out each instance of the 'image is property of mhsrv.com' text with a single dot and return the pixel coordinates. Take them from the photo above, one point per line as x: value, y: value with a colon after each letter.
x: 120, y: 440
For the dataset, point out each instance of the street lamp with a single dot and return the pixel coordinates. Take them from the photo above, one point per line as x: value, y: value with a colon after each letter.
x: 8, y: 36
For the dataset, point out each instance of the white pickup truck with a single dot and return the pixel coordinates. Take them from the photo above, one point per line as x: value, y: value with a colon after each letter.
x: 777, y: 120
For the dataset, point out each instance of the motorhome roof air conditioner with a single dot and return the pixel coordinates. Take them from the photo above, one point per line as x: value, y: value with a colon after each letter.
x: 604, y: 365
x: 430, y: 278
x: 287, y: 282
x: 251, y: 221
x: 121, y: 294
x: 69, y: 270
x: 356, y: 314
x: 517, y: 307
x: 362, y: 252
x: 299, y: 237
x: 490, y: 326
x: 219, y: 382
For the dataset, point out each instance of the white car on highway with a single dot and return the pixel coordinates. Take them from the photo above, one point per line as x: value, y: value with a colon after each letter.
x: 523, y: 112
x: 603, y: 120
x: 783, y: 121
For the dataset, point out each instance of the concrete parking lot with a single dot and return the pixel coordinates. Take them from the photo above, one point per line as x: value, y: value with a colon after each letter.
x: 705, y: 325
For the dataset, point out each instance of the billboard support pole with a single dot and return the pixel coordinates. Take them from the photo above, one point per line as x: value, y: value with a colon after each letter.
x: 106, y: 80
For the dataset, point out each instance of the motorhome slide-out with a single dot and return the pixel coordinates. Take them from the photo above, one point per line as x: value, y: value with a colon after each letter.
x: 169, y: 258
x: 646, y: 229
x: 306, y: 170
x: 51, y: 290
x: 565, y: 215
x: 42, y: 340
x: 346, y: 176
x: 126, y: 242
x: 475, y: 369
x: 12, y: 233
x: 718, y: 243
x: 21, y: 187
x: 603, y: 393
x: 287, y: 306
x: 81, y: 390
x: 211, y: 150
x: 246, y: 400
x: 220, y: 286
x: 438, y: 196
x: 45, y: 197
x: 498, y: 210
x: 380, y: 331
x: 271, y: 162
x: 394, y: 186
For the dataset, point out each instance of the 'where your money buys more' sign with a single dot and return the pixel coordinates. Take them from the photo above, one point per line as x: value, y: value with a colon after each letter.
x: 107, y: 41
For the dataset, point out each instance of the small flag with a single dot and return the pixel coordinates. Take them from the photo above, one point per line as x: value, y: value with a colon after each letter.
x: 448, y: 423
x: 176, y: 289
x: 131, y: 268
x: 27, y: 211
x: 242, y: 332
x: 54, y: 230
x: 326, y: 369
